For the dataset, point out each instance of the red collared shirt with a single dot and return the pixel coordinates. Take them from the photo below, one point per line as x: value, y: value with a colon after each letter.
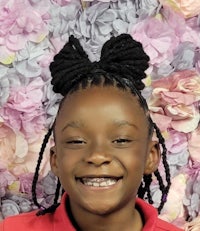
x: 59, y: 220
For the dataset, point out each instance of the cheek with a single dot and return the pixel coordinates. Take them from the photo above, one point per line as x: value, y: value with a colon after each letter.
x: 134, y: 160
x: 67, y: 161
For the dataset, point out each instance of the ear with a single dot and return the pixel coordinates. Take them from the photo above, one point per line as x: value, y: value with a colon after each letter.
x: 53, y: 160
x: 153, y: 158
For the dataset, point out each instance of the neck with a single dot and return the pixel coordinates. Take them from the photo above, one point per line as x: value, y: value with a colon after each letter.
x: 126, y: 219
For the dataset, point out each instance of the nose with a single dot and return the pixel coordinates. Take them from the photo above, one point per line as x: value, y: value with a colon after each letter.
x: 98, y: 155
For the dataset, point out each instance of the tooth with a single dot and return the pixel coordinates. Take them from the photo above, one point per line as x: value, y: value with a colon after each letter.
x: 103, y: 184
x: 95, y: 184
x: 98, y: 182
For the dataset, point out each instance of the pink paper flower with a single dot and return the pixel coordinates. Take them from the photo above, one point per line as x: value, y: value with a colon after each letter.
x: 19, y: 23
x: 14, y: 148
x: 173, y: 210
x: 158, y: 38
x: 6, y: 179
x: 177, y: 141
x: 62, y: 2
x: 176, y: 97
x: 23, y: 110
x: 192, y: 193
x: 194, y: 145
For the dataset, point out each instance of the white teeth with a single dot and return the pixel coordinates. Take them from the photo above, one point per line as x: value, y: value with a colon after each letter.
x: 98, y: 182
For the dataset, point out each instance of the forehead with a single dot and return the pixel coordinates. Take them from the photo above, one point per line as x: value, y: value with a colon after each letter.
x: 101, y: 103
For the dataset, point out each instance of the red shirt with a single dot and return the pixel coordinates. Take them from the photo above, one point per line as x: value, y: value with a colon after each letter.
x: 59, y: 220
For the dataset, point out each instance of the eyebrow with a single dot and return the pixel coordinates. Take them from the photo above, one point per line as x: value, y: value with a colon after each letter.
x: 78, y: 124
x: 73, y: 124
x: 120, y: 123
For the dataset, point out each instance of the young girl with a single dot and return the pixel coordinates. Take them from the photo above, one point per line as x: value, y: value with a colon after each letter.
x: 104, y: 156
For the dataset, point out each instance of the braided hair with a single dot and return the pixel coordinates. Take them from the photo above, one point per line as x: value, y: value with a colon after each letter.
x: 122, y: 64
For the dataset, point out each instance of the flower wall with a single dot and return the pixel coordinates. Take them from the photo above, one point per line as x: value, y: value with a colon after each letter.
x: 33, y: 31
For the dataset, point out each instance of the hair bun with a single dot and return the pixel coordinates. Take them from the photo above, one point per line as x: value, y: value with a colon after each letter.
x: 126, y: 57
x: 121, y: 56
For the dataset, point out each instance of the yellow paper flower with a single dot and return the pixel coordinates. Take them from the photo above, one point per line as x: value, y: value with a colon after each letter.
x: 189, y: 8
x: 6, y: 56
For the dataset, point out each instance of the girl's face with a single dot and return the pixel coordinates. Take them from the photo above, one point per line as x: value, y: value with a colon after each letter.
x: 102, y: 149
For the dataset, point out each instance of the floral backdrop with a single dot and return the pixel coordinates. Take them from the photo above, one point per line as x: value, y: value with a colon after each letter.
x: 33, y: 31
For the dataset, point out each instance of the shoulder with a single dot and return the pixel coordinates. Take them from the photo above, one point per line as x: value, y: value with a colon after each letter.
x: 151, y: 220
x: 58, y: 220
x: 26, y: 221
x: 165, y: 226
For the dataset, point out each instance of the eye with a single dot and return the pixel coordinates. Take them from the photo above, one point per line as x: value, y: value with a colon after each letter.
x: 121, y: 141
x: 76, y: 142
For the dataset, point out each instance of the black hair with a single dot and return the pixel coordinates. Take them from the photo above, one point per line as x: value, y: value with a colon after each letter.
x: 123, y: 63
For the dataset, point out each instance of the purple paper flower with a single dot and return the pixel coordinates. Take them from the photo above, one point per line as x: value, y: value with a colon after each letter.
x: 184, y: 56
x: 9, y: 208
x: 49, y: 183
x: 59, y: 29
x: 147, y: 8
x: 26, y: 185
x: 94, y: 27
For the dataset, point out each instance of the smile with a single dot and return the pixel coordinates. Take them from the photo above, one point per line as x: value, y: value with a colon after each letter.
x: 99, y: 181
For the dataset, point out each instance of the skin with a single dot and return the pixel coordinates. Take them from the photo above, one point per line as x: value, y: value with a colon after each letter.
x: 103, y: 132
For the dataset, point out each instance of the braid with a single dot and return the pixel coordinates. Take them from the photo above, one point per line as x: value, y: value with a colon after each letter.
x: 144, y: 188
x: 37, y: 169
x: 148, y: 180
x: 164, y: 189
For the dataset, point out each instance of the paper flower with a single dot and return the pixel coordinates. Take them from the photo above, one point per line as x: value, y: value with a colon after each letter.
x: 192, y: 32
x: 194, y: 145
x: 60, y: 30
x: 174, y: 98
x: 192, y: 194
x: 9, y: 208
x: 51, y: 104
x: 177, y: 161
x: 147, y: 8
x: 23, y: 110
x: 184, y: 57
x: 158, y: 38
x: 94, y: 27
x: 177, y: 141
x: 6, y: 178
x: 188, y: 8
x: 194, y: 225
x: 173, y: 210
x: 26, y: 185
x: 62, y: 2
x: 19, y: 23
x: 12, y: 144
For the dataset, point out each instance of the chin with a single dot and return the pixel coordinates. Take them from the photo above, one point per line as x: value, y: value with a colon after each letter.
x: 101, y: 209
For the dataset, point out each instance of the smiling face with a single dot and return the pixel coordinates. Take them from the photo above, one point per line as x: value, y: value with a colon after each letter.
x: 102, y: 149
